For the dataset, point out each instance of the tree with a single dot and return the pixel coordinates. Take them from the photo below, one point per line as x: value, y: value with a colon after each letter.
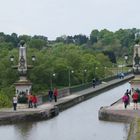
x: 111, y: 56
x: 37, y: 43
x: 80, y: 39
x: 26, y: 38
x: 126, y: 37
x: 94, y: 36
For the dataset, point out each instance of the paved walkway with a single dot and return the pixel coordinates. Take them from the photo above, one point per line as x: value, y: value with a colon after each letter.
x: 118, y: 113
x: 120, y: 106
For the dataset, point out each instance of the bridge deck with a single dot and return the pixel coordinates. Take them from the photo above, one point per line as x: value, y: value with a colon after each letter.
x: 8, y: 115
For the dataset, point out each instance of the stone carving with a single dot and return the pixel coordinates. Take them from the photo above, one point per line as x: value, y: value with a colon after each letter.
x: 22, y: 66
x: 22, y: 63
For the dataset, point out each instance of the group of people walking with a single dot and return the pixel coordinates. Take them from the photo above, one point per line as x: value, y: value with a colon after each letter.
x: 53, y: 94
x: 32, y: 101
x: 127, y: 97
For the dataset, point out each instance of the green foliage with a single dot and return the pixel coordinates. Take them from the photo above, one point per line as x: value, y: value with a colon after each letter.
x: 94, y: 36
x: 66, y: 53
x: 4, y: 100
x: 37, y: 43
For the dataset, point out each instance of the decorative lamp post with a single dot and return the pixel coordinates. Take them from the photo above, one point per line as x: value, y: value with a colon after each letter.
x: 53, y: 75
x: 105, y: 71
x: 12, y: 58
x: 96, y: 68
x: 126, y: 58
x: 70, y: 71
x: 94, y: 71
x: 33, y: 58
x: 85, y: 75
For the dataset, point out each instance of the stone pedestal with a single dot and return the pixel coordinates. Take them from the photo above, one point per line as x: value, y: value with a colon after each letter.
x: 23, y: 86
x: 22, y: 106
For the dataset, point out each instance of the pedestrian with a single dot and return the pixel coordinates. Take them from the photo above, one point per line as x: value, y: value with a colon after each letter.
x: 34, y: 101
x: 93, y: 83
x: 30, y: 97
x: 15, y: 100
x: 135, y: 97
x: 122, y: 75
x: 50, y: 94
x: 125, y: 100
x: 127, y: 94
x: 55, y: 94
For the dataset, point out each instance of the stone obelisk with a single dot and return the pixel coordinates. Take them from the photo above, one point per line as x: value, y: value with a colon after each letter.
x: 23, y: 85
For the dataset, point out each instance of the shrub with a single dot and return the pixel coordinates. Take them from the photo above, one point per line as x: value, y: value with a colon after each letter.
x: 4, y: 100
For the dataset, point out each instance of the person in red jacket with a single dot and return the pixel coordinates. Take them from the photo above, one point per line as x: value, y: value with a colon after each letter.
x: 34, y: 101
x: 55, y: 94
x: 30, y: 100
x: 135, y: 97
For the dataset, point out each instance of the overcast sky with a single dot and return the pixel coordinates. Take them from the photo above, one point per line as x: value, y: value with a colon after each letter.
x: 54, y: 18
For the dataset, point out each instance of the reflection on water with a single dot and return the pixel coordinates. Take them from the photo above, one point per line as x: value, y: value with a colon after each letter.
x: 24, y: 129
x: 77, y: 123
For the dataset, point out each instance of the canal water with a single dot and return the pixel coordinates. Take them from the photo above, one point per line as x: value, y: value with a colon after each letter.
x: 77, y: 123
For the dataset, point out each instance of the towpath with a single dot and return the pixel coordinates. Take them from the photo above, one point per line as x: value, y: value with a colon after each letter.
x: 44, y: 111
